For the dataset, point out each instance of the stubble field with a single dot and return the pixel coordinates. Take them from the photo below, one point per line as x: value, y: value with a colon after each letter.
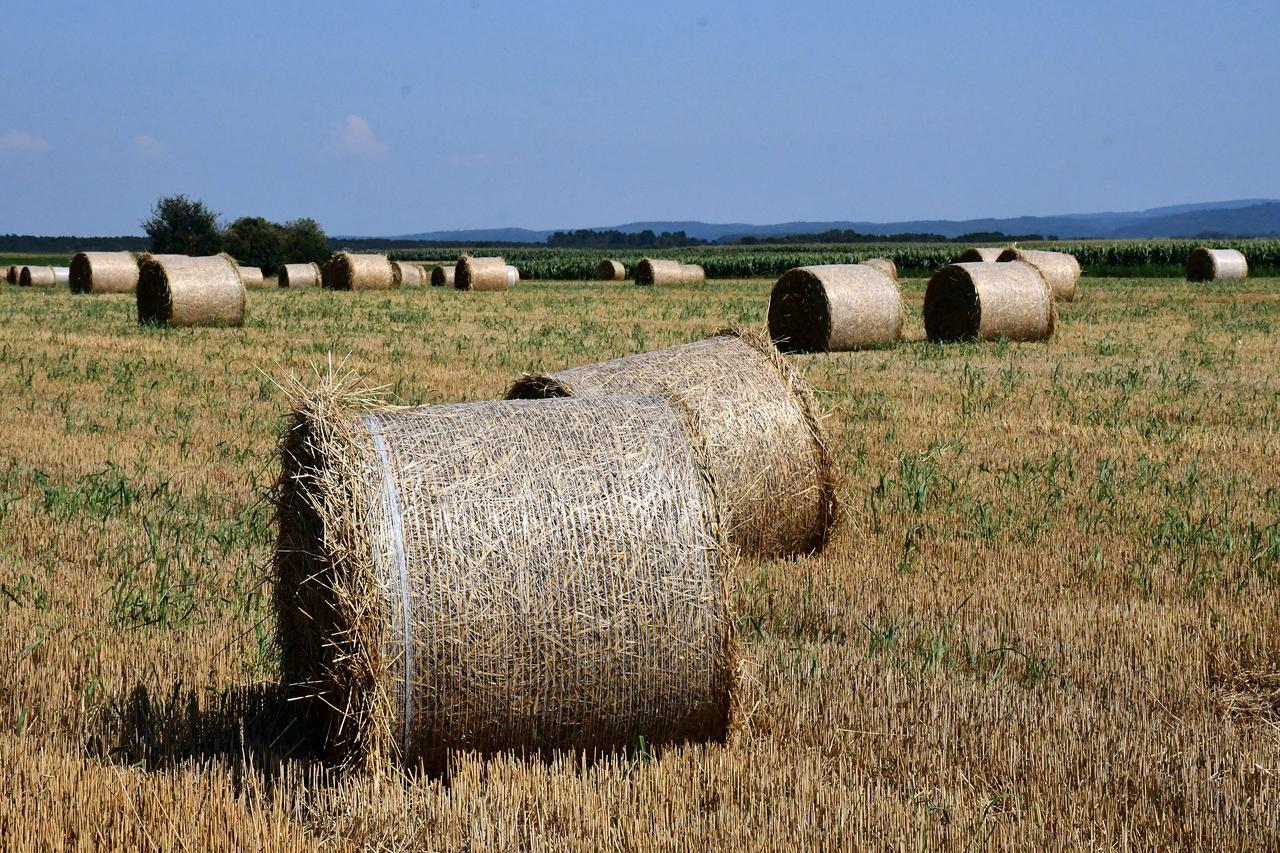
x: 1048, y: 617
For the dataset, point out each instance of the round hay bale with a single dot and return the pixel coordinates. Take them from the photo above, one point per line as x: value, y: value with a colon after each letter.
x: 521, y: 576
x: 61, y: 275
x: 1061, y: 271
x: 12, y: 273
x: 768, y: 451
x: 989, y: 301
x: 885, y: 266
x: 347, y: 271
x: 442, y: 276
x: 407, y: 274
x: 513, y: 276
x: 654, y: 271
x: 835, y: 308
x: 611, y: 271
x: 980, y: 255
x: 299, y: 275
x: 104, y: 272
x: 37, y: 277
x: 481, y: 274
x: 1205, y: 264
x: 251, y: 276
x: 182, y: 291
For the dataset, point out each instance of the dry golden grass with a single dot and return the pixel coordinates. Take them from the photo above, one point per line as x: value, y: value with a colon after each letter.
x: 1049, y: 619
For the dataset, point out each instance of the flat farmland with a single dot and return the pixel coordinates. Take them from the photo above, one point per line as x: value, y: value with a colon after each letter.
x: 1048, y: 616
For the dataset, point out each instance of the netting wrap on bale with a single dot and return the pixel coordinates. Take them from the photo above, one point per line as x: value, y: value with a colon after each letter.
x: 346, y: 271
x: 611, y: 271
x: 989, y: 301
x: 513, y: 276
x: 768, y: 451
x: 407, y: 274
x: 651, y: 271
x: 37, y: 277
x: 526, y: 576
x: 299, y: 275
x: 1060, y: 270
x: 835, y: 308
x: 104, y: 272
x: 62, y: 275
x: 481, y: 274
x: 1205, y: 264
x: 182, y: 291
x: 442, y: 276
x: 885, y: 265
x: 980, y: 255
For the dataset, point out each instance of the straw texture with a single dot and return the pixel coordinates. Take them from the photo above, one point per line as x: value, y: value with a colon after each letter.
x: 251, y: 276
x: 527, y: 576
x: 299, y: 275
x: 1205, y: 264
x: 835, y: 308
x: 182, y: 291
x: 1060, y: 270
x: 980, y: 255
x: 652, y: 271
x: 989, y: 301
x: 345, y: 271
x: 104, y: 272
x: 885, y: 265
x: 611, y: 271
x: 407, y: 275
x: 37, y: 277
x: 513, y: 276
x: 768, y: 451
x: 442, y: 276
x: 481, y: 274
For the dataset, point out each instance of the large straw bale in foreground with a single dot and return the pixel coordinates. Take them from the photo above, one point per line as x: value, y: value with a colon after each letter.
x: 182, y: 291
x: 299, y: 275
x: 442, y: 276
x: 481, y: 274
x: 37, y: 277
x: 104, y: 272
x: 611, y: 271
x: 347, y: 271
x: 406, y: 274
x: 834, y: 308
x: 1060, y: 270
x: 989, y: 301
x: 768, y: 451
x: 653, y: 271
x: 526, y: 576
x: 885, y: 265
x: 1205, y: 264
x: 981, y: 255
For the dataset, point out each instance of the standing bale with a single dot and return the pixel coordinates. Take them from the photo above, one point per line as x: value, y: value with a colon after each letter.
x: 406, y: 274
x: 104, y: 272
x: 513, y: 276
x: 653, y: 271
x: 980, y: 255
x: 182, y: 291
x: 885, y: 266
x: 835, y: 308
x: 989, y: 301
x: 37, y: 277
x: 347, y: 271
x: 521, y: 576
x: 251, y: 276
x: 481, y: 274
x: 768, y: 452
x: 1205, y: 264
x: 299, y: 275
x: 611, y: 271
x: 1060, y: 270
x: 442, y: 276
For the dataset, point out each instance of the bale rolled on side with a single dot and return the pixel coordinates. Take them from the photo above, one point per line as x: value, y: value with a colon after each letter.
x: 513, y: 276
x: 654, y: 271
x: 347, y: 271
x: 407, y: 274
x: 1060, y: 270
x: 442, y: 276
x: 182, y: 291
x: 62, y: 275
x: 104, y: 272
x: 481, y: 274
x: 835, y: 308
x: 1205, y: 264
x: 989, y: 301
x: 610, y: 271
x: 37, y: 277
x: 768, y: 450
x: 885, y: 265
x: 521, y: 576
x: 251, y: 276
x: 12, y: 273
x: 980, y: 255
x: 299, y: 275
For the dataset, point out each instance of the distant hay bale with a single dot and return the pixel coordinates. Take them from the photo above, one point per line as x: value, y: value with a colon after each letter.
x: 12, y: 273
x: 442, y: 276
x: 299, y: 275
x: 885, y: 265
x: 1061, y: 271
x: 654, y: 271
x: 407, y: 274
x: 104, y: 272
x: 980, y: 255
x: 1205, y: 264
x: 347, y: 271
x: 37, y: 277
x: 251, y: 276
x: 989, y: 301
x: 768, y: 451
x: 513, y: 276
x: 522, y: 576
x: 835, y: 308
x: 61, y: 275
x: 610, y: 271
x: 182, y: 291
x: 481, y: 274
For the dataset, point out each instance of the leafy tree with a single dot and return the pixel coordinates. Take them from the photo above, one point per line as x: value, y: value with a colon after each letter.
x: 305, y: 242
x: 182, y: 226
x: 256, y: 242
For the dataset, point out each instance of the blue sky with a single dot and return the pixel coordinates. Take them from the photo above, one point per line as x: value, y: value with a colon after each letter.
x: 390, y: 118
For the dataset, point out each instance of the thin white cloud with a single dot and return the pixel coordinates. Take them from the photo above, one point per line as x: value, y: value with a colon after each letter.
x: 354, y: 138
x: 22, y: 143
x: 149, y: 148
